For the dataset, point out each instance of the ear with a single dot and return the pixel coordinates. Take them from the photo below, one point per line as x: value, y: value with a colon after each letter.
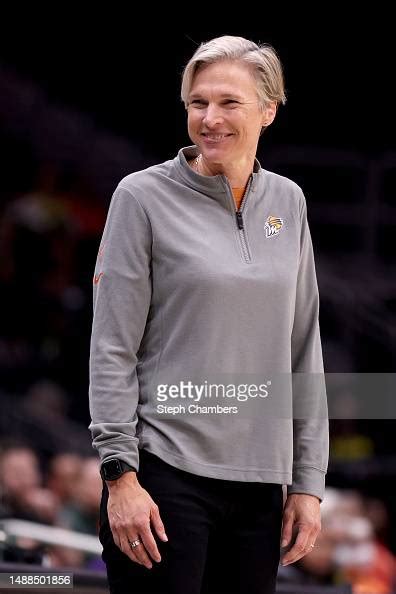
x: 269, y: 113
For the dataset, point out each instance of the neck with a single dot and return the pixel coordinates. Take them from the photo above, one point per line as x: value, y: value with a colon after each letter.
x: 237, y: 173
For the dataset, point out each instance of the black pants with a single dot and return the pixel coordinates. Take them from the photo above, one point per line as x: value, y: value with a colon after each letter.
x: 224, y: 536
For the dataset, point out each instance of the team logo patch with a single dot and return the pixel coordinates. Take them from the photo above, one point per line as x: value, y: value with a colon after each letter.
x: 273, y: 226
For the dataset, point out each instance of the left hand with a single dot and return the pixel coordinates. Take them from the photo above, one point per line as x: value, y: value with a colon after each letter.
x: 301, y: 517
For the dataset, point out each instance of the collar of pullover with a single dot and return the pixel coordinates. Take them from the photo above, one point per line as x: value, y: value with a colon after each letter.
x: 215, y: 185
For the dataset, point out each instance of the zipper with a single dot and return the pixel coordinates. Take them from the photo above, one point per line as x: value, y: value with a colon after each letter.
x: 240, y: 225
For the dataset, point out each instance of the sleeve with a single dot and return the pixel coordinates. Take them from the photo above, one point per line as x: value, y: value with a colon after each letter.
x: 121, y: 301
x: 310, y: 414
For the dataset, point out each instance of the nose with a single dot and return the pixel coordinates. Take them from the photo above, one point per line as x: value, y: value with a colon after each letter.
x: 212, y: 116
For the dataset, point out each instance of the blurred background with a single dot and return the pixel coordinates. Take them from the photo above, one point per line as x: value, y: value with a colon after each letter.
x: 80, y: 110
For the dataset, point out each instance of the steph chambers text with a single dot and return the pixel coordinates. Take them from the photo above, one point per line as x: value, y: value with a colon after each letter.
x: 196, y: 409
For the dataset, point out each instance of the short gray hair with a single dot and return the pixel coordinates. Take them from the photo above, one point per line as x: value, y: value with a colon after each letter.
x: 265, y: 63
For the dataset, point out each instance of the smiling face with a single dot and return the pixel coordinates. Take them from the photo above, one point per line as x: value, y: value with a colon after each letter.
x: 224, y: 113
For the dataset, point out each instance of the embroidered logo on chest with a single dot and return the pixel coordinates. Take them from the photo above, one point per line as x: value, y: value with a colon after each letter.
x: 273, y: 226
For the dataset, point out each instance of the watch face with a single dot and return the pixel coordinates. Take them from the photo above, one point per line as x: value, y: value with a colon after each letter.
x: 112, y: 469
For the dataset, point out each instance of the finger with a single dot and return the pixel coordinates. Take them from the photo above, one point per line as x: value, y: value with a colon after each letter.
x: 300, y: 547
x: 122, y: 543
x: 158, y: 523
x: 132, y: 555
x: 140, y: 552
x: 127, y: 550
x: 150, y: 544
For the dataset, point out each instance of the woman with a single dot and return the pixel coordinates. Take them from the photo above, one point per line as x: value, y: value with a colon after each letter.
x: 204, y: 296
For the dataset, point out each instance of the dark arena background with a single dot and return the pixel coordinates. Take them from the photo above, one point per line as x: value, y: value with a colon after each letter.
x: 77, y: 113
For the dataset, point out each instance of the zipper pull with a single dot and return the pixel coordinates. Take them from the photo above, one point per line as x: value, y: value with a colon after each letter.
x: 239, y: 219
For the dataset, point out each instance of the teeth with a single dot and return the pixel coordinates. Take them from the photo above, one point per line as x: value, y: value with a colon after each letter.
x: 216, y: 136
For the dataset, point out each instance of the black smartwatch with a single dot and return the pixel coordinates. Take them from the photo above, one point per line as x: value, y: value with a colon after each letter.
x: 113, y: 469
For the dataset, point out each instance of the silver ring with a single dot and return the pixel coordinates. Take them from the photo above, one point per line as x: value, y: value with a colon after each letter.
x: 134, y: 543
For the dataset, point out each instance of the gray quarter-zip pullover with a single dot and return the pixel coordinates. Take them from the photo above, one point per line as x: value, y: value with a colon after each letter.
x: 189, y: 294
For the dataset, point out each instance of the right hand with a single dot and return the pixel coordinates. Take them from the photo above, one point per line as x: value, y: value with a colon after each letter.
x: 131, y: 511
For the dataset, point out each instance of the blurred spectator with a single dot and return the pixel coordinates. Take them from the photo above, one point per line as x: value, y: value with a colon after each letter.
x: 19, y: 471
x: 82, y: 514
x: 362, y: 559
x: 24, y: 498
x: 63, y: 476
x: 348, y: 548
x: 21, y: 482
x: 70, y: 499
